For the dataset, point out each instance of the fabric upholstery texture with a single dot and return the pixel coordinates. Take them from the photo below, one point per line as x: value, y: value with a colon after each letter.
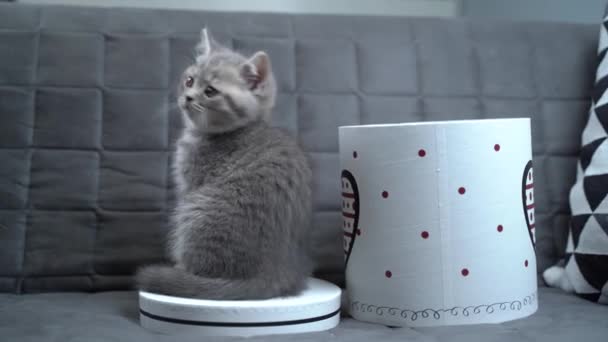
x: 88, y: 119
x: 113, y: 316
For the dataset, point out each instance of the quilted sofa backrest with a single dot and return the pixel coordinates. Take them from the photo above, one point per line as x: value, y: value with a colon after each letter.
x: 88, y: 119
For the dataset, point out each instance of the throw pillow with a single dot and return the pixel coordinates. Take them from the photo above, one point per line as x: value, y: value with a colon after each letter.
x: 585, y: 268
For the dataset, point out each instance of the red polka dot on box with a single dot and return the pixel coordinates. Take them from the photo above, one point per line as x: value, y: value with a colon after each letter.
x: 425, y: 234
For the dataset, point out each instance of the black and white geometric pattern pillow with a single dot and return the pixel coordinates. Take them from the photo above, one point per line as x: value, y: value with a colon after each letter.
x: 585, y: 269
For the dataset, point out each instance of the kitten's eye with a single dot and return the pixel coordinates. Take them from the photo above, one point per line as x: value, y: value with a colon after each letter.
x: 210, y: 91
x: 189, y: 81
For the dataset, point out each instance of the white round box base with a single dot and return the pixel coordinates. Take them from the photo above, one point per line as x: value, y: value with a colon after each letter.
x: 316, y: 309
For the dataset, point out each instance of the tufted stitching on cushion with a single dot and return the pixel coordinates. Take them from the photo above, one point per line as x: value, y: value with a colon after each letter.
x: 442, y: 69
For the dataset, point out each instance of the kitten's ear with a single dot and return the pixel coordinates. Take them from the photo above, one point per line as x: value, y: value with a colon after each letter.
x: 204, y: 47
x: 257, y: 69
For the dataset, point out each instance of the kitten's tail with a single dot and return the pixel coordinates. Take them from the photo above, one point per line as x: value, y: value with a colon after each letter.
x: 173, y: 281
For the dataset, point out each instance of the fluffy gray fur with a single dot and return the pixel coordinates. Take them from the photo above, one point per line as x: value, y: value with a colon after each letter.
x: 242, y: 221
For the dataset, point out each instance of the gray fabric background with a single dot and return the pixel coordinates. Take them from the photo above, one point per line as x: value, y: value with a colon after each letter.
x: 87, y: 125
x: 87, y: 120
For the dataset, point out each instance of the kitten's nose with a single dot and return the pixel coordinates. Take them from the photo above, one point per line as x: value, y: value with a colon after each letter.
x: 189, y: 99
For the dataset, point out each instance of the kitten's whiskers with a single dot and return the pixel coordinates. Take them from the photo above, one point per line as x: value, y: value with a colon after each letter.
x: 198, y: 107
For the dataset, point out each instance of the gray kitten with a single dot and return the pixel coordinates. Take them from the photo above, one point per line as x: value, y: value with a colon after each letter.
x: 242, y: 221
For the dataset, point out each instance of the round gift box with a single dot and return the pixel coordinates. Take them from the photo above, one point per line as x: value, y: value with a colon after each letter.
x: 438, y: 222
x: 316, y: 309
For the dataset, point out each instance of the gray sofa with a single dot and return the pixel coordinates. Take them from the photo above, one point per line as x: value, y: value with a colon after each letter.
x: 88, y: 122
